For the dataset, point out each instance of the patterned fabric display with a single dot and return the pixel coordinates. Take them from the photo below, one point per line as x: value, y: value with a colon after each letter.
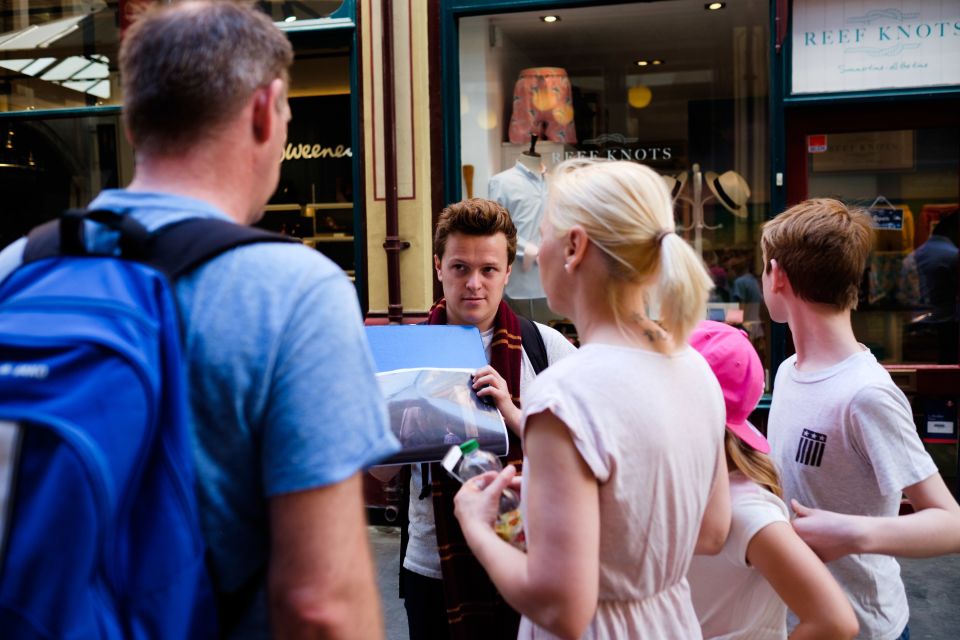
x: 542, y: 104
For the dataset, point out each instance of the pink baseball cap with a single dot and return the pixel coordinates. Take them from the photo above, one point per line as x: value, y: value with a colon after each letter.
x: 738, y: 369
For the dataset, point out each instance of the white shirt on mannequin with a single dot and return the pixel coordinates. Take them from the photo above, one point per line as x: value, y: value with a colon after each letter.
x: 522, y: 192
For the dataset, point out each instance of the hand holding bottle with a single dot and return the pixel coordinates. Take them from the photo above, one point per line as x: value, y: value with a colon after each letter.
x: 487, y: 501
x: 486, y: 496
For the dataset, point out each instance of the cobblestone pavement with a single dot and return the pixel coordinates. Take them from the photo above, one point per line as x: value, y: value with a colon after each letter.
x: 385, y: 542
x: 933, y: 588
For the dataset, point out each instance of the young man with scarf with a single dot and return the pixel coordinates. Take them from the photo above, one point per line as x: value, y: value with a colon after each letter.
x: 475, y: 244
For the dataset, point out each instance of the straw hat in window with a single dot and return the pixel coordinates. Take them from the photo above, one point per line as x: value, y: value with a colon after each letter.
x: 731, y: 190
x: 675, y: 184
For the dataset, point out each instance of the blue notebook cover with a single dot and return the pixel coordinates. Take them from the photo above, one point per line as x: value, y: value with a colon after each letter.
x: 414, y: 346
x: 432, y: 408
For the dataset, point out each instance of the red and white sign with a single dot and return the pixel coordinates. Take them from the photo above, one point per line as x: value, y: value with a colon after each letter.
x: 817, y: 143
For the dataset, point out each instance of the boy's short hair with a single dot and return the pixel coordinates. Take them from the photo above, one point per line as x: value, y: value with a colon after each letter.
x: 476, y: 217
x: 822, y: 245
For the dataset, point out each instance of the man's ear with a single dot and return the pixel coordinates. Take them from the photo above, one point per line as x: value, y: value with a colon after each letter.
x: 436, y: 265
x: 128, y: 135
x: 265, y: 101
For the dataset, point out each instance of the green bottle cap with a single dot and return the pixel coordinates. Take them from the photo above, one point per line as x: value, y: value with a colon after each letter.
x: 469, y: 446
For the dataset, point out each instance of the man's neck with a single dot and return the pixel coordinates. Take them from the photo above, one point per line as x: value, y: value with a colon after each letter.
x: 822, y: 336
x: 483, y: 325
x: 486, y: 325
x: 210, y: 177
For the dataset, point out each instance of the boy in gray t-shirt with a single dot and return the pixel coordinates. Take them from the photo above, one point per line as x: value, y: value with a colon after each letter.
x: 841, y: 432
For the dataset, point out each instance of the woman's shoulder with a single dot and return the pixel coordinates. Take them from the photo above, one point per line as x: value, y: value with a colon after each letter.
x: 568, y: 362
x: 745, y: 494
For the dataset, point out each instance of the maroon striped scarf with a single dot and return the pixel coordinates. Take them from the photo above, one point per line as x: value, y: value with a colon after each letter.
x: 474, y: 607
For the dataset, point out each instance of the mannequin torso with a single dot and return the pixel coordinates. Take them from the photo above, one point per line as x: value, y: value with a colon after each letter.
x: 531, y: 162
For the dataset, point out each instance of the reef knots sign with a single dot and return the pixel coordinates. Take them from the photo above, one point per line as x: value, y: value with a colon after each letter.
x: 851, y: 45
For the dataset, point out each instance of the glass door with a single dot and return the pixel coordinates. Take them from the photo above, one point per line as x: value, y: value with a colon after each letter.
x: 901, y: 163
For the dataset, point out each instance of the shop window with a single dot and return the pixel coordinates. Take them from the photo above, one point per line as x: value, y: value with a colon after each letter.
x: 667, y: 84
x: 299, y: 10
x: 314, y: 197
x: 64, y: 55
x: 907, y: 180
x: 60, y: 55
x: 53, y: 164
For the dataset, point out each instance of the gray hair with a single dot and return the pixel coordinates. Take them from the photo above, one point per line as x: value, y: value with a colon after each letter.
x: 189, y: 67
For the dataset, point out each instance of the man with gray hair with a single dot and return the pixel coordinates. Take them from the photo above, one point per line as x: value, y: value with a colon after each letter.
x: 285, y: 407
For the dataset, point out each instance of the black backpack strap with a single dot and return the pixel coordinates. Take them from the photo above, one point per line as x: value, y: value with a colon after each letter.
x: 42, y: 242
x: 174, y: 249
x: 183, y: 246
x: 65, y: 235
x: 533, y: 345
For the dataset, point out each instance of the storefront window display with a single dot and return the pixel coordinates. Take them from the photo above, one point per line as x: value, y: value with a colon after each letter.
x: 287, y: 11
x: 59, y: 55
x: 668, y: 84
x: 58, y: 71
x: 48, y: 165
x: 871, y: 117
x: 314, y: 200
x: 56, y: 55
x: 907, y: 180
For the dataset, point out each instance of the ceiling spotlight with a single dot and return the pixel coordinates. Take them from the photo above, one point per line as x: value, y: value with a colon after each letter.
x: 714, y: 6
x: 642, y: 63
x: 656, y: 61
x: 550, y: 19
x: 288, y: 15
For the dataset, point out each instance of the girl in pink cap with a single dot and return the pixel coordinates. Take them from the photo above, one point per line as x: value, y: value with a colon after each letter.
x: 764, y: 566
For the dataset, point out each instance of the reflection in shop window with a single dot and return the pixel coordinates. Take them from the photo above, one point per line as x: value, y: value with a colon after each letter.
x: 314, y: 196
x: 664, y: 84
x: 298, y: 10
x: 64, y: 55
x: 55, y: 56
x: 48, y: 165
x: 907, y: 181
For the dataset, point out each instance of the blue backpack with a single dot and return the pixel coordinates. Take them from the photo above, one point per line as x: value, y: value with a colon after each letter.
x: 99, y: 529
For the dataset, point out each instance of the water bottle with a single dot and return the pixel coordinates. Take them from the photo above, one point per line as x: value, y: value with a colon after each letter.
x: 509, y: 524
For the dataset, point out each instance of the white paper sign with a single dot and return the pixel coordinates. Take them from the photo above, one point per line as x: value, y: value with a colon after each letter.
x: 852, y: 45
x: 939, y: 427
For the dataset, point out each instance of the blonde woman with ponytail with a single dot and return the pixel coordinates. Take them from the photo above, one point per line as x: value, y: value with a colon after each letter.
x: 764, y: 567
x: 625, y: 475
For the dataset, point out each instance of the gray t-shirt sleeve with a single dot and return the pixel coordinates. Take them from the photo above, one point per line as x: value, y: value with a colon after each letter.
x: 325, y: 417
x: 884, y: 434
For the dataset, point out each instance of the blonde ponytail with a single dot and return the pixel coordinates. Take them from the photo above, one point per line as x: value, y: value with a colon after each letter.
x: 753, y: 464
x: 626, y: 210
x: 682, y: 288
